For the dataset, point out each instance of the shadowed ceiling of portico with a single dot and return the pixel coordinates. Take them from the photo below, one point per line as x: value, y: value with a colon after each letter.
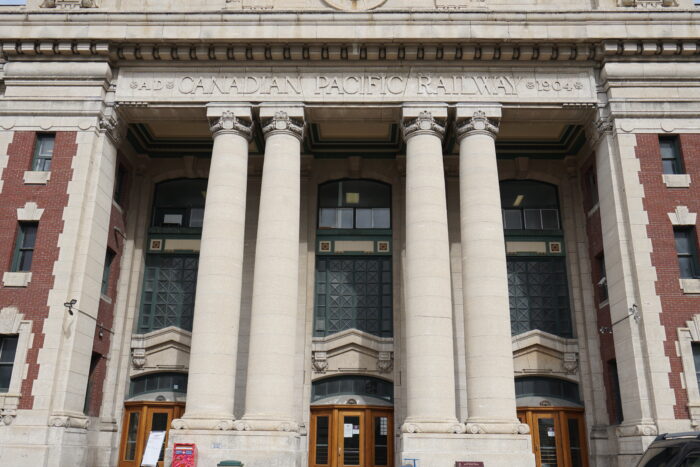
x: 371, y: 137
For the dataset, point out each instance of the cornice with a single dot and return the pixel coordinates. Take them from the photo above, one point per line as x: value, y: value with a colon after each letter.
x: 452, y: 52
x: 286, y: 26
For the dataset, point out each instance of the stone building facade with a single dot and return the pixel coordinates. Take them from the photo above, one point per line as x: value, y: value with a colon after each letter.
x: 334, y: 233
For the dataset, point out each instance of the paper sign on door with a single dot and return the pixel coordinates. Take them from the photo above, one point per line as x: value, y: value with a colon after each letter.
x: 347, y: 430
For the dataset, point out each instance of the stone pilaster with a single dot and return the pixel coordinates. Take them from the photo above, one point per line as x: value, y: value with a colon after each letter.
x: 430, y: 405
x: 489, y: 355
x: 212, y: 367
x: 270, y: 398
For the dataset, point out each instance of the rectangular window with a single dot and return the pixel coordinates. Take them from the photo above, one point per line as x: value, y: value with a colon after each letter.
x: 119, y: 184
x: 603, y: 281
x: 43, y: 152
x: 696, y: 360
x: 94, y: 361
x: 592, y: 186
x: 109, y: 257
x: 671, y: 155
x: 686, y: 248
x: 24, y: 247
x: 8, y: 348
x: 617, y: 414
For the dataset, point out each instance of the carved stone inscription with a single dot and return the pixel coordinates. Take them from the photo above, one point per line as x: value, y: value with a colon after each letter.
x: 386, y: 85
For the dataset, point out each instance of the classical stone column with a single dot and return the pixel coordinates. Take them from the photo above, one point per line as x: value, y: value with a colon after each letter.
x: 212, y: 367
x: 489, y: 355
x: 270, y: 398
x: 429, y: 348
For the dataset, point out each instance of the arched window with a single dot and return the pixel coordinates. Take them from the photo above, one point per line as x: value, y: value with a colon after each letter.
x: 158, y: 382
x: 529, y: 205
x: 537, y: 279
x: 179, y: 203
x: 354, y: 204
x: 352, y: 385
x: 547, y: 388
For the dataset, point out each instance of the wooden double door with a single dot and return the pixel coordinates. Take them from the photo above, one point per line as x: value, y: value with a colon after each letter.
x: 558, y: 436
x: 140, y: 419
x: 351, y: 436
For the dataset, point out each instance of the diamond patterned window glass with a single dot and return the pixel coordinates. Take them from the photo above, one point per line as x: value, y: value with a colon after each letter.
x: 353, y: 293
x: 169, y: 286
x: 539, y: 295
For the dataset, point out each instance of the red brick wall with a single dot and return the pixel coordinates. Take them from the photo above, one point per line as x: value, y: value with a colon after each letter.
x: 53, y: 198
x: 595, y: 249
x: 105, y: 313
x: 677, y: 308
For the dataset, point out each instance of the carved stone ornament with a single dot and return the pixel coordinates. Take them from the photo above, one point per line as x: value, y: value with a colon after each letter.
x: 355, y: 5
x: 68, y: 4
x: 228, y: 122
x: 570, y: 362
x: 424, y: 124
x: 282, y: 123
x: 478, y: 124
x: 109, y: 125
x: 138, y: 357
x: 320, y: 361
x: 68, y: 421
x: 646, y: 429
x: 385, y: 362
x: 7, y: 416
x: 497, y: 428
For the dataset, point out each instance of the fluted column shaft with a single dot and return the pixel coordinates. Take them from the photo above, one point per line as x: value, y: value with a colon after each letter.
x: 489, y: 355
x: 270, y: 397
x: 428, y: 316
x: 212, y: 367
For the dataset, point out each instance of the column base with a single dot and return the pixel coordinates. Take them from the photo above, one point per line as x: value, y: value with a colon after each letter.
x: 496, y: 427
x: 253, y: 448
x: 439, y: 450
x: 204, y: 423
x: 432, y: 426
x: 264, y: 424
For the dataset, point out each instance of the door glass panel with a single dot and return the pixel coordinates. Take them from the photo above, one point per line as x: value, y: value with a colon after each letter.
x: 574, y: 443
x: 381, y: 439
x: 322, y: 440
x: 132, y: 431
x: 351, y: 440
x: 159, y: 422
x: 548, y: 442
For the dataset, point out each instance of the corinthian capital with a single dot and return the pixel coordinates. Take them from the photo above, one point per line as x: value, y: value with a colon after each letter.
x: 229, y: 123
x: 425, y: 123
x: 282, y: 123
x: 478, y: 124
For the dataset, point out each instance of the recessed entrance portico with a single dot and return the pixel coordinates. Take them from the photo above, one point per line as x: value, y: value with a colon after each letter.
x: 353, y: 134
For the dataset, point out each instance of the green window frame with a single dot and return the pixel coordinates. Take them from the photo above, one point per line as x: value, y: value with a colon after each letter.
x: 353, y: 292
x: 529, y: 205
x: 354, y: 204
x: 671, y: 160
x: 107, y: 271
x: 119, y: 184
x: 8, y: 350
x: 169, y: 287
x: 158, y: 382
x: 539, y: 295
x: 543, y: 386
x: 356, y: 385
x: 43, y: 152
x: 25, y: 243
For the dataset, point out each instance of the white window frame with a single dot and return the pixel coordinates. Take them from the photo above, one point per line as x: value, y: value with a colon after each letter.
x: 686, y: 337
x: 12, y: 322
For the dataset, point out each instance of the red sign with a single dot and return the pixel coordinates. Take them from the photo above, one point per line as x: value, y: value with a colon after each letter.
x: 184, y: 455
x: 468, y: 464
